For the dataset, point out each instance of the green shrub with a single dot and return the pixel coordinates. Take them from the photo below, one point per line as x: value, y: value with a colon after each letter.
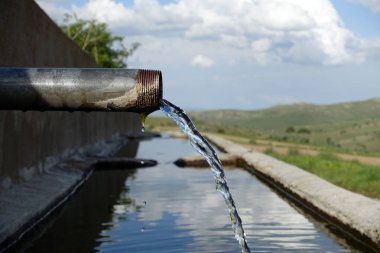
x: 252, y: 141
x: 303, y: 131
x: 290, y: 129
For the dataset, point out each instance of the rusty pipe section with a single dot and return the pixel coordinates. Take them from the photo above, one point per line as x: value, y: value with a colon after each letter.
x: 73, y: 89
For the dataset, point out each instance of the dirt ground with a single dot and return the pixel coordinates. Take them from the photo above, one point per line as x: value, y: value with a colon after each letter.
x: 307, y: 150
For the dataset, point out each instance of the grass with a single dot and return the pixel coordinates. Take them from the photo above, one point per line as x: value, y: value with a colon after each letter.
x: 351, y: 175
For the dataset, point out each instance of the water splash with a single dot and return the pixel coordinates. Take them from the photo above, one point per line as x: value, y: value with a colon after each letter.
x: 201, y: 145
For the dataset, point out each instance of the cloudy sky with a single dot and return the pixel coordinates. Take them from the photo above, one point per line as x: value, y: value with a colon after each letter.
x: 247, y: 54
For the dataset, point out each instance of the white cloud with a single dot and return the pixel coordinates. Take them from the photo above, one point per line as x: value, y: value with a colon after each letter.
x: 105, y: 11
x: 307, y: 32
x: 278, y: 30
x: 202, y: 61
x: 373, y: 5
x: 53, y: 8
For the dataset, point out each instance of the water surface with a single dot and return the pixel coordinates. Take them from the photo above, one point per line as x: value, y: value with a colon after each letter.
x: 170, y: 209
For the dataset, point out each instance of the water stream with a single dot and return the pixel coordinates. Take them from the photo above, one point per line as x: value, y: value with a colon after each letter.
x: 201, y: 145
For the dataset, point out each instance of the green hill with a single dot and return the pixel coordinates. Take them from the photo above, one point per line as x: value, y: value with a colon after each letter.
x: 347, y: 127
x: 280, y: 117
x: 352, y: 127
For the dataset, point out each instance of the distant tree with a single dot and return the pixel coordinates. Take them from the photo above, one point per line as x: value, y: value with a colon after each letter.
x: 96, y: 40
x: 290, y: 129
x: 303, y: 131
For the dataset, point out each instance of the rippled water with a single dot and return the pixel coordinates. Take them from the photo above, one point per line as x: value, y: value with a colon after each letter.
x: 170, y: 209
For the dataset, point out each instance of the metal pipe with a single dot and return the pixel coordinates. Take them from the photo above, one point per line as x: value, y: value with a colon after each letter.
x: 73, y: 89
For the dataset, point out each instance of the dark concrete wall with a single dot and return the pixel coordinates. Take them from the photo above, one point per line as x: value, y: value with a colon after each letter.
x: 28, y: 38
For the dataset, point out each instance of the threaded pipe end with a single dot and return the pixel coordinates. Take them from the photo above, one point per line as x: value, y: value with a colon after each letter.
x: 149, y: 89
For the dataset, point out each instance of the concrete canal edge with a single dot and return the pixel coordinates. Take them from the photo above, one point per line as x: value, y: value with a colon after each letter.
x: 353, y: 213
x: 48, y: 186
x: 198, y: 161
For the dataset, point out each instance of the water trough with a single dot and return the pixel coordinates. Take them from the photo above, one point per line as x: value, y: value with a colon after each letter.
x: 170, y: 209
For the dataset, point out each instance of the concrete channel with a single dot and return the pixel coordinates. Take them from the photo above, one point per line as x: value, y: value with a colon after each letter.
x: 354, y: 215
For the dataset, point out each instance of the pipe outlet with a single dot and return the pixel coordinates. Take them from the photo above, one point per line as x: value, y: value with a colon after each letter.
x: 73, y: 89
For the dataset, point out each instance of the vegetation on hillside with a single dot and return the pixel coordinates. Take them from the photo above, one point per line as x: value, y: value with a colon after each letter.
x: 347, y: 127
x: 96, y: 40
x: 283, y: 116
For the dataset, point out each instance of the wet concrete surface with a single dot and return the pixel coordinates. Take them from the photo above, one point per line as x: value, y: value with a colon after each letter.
x: 24, y: 205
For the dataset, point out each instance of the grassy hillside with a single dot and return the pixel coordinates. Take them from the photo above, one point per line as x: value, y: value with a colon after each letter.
x: 346, y: 127
x: 280, y: 117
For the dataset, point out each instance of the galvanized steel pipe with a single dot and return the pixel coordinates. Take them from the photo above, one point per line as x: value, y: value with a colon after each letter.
x: 73, y: 89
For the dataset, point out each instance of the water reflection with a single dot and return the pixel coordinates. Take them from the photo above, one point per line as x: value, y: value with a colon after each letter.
x: 76, y: 227
x: 184, y: 213
x: 169, y: 209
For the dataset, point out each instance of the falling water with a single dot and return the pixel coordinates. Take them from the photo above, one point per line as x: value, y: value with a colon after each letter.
x: 201, y: 145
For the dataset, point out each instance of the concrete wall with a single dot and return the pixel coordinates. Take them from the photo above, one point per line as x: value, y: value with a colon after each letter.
x: 28, y: 38
x: 36, y: 148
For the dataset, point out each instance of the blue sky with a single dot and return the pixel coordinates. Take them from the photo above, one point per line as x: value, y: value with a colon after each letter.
x: 358, y: 18
x: 247, y: 54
